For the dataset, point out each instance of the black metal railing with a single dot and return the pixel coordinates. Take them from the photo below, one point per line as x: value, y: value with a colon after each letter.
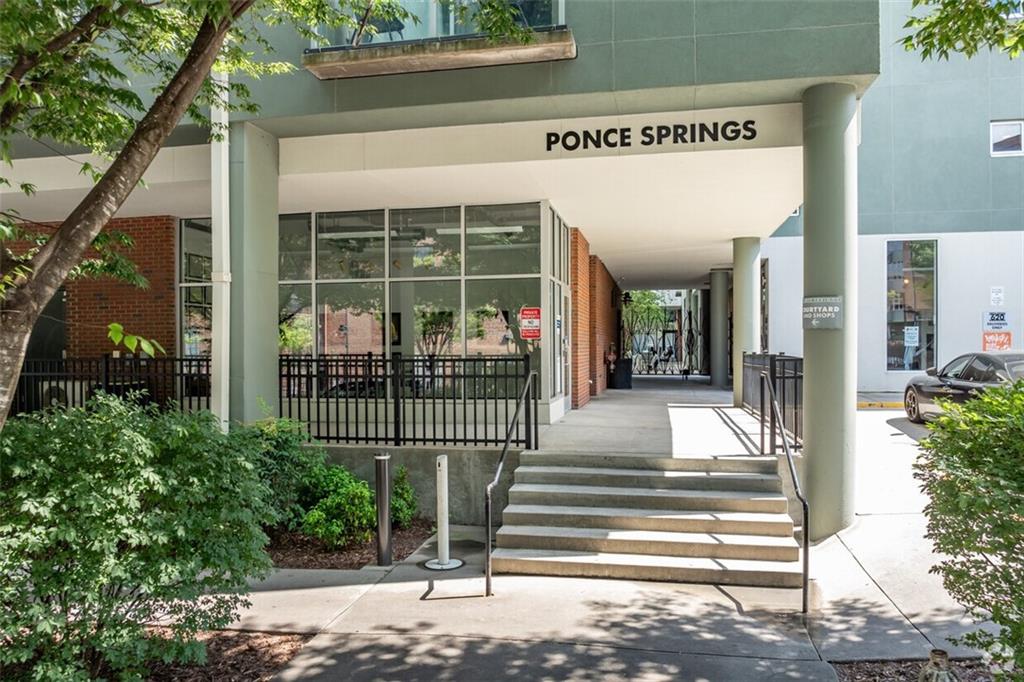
x: 183, y: 383
x: 774, y: 423
x: 527, y: 398
x: 406, y: 400
x: 786, y: 374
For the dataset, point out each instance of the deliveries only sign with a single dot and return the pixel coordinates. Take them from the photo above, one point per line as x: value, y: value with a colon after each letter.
x: 529, y: 322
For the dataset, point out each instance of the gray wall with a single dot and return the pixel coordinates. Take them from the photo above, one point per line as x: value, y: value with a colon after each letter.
x: 924, y: 155
x: 469, y: 472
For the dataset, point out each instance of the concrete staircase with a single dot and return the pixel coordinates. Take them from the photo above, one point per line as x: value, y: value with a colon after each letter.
x: 644, y: 517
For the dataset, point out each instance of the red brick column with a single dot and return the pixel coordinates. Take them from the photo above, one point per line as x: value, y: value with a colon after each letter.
x: 94, y: 303
x: 604, y: 305
x: 579, y: 265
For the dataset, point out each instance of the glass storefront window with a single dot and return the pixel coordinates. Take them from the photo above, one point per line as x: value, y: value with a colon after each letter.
x: 350, y: 318
x: 426, y: 242
x: 492, y: 317
x: 911, y: 305
x: 503, y: 239
x: 350, y: 245
x: 196, y: 250
x: 426, y: 317
x: 196, y: 320
x: 295, y: 319
x: 294, y: 247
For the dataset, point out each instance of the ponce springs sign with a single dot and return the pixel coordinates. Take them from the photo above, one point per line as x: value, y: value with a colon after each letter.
x: 651, y: 135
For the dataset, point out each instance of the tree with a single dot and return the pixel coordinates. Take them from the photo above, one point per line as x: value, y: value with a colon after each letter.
x: 643, y: 318
x: 66, y: 68
x: 942, y: 27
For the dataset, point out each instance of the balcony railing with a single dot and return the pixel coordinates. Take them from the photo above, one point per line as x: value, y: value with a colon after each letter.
x: 786, y: 375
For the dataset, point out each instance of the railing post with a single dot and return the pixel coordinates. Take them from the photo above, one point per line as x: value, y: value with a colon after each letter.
x: 771, y: 415
x: 383, y: 497
x: 761, y: 380
x: 105, y: 381
x: 396, y: 395
x: 487, y: 543
x: 527, y: 406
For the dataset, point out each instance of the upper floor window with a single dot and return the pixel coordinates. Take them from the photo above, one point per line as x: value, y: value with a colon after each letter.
x: 1005, y: 138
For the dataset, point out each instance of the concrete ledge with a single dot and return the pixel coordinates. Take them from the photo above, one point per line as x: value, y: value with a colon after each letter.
x: 437, y: 54
x: 469, y: 472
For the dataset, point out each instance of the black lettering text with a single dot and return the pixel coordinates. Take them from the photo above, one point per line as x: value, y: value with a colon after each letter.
x: 663, y: 133
x: 679, y: 134
x: 571, y: 141
x: 553, y: 139
x: 591, y: 139
x: 749, y: 132
x: 731, y: 131
x: 624, y: 137
x: 709, y: 132
x: 647, y: 136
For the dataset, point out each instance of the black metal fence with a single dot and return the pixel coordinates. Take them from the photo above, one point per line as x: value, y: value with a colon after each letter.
x: 180, y: 382
x: 786, y: 374
x: 408, y: 400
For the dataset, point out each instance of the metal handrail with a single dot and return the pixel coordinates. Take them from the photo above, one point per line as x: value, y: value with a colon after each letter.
x: 524, y: 398
x: 776, y: 418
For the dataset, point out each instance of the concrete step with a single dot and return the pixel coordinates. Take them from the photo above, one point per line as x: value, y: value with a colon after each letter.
x: 649, y: 478
x: 647, y: 567
x: 646, y: 498
x: 738, y: 463
x: 623, y: 518
x: 661, y: 543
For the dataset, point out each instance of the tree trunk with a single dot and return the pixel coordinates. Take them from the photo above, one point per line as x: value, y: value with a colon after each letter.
x: 65, y: 249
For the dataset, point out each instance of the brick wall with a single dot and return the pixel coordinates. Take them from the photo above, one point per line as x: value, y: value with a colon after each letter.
x: 603, y: 323
x: 92, y: 304
x: 579, y: 265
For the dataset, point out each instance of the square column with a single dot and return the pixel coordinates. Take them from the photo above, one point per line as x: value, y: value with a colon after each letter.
x: 830, y: 269
x: 719, y: 328
x: 746, y: 307
x: 254, y: 333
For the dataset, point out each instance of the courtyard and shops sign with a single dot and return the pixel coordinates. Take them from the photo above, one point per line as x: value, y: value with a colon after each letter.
x: 823, y: 312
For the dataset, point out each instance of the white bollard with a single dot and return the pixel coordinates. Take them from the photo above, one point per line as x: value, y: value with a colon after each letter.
x: 443, y: 562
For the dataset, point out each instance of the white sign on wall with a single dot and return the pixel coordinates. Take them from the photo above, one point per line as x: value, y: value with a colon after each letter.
x: 995, y: 321
x: 997, y: 296
x: 911, y: 337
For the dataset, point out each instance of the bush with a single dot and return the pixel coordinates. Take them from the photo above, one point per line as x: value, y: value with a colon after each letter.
x: 341, y: 507
x: 972, y: 470
x: 403, y: 499
x: 286, y: 463
x: 113, y: 517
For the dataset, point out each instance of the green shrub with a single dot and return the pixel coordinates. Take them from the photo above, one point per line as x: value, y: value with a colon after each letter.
x: 113, y: 517
x: 403, y: 499
x: 285, y: 462
x: 972, y: 470
x: 343, y: 512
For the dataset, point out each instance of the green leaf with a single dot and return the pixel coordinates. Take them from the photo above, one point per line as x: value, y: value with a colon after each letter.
x: 131, y: 342
x: 115, y: 332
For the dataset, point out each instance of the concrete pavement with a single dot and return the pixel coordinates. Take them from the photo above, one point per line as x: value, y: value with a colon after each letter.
x: 872, y: 595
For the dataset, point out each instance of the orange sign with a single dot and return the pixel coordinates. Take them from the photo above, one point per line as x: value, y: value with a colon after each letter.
x: 996, y: 340
x: 529, y: 322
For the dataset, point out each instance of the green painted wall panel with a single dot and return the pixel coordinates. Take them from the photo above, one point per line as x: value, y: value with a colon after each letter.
x: 739, y: 16
x: 651, y: 19
x: 591, y: 20
x: 654, y: 63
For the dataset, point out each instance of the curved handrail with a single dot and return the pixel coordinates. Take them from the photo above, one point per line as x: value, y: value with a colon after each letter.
x: 524, y: 398
x: 777, y: 419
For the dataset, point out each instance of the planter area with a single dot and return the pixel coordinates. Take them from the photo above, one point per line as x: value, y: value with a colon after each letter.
x: 297, y: 550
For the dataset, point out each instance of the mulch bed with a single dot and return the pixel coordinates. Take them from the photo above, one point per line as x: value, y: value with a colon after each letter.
x: 295, y: 550
x: 235, y: 657
x: 898, y: 671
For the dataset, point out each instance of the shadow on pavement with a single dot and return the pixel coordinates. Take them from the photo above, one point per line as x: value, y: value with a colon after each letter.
x: 916, y: 431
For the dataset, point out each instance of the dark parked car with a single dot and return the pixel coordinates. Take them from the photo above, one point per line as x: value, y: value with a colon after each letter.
x: 960, y: 380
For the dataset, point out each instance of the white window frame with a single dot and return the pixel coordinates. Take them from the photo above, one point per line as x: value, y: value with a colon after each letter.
x: 991, y: 139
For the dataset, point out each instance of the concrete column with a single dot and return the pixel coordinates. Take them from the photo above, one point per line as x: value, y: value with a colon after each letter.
x: 719, y: 328
x: 830, y: 269
x: 746, y: 307
x: 254, y: 334
x: 220, y: 219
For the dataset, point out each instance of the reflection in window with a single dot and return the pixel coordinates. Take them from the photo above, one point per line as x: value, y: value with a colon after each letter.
x: 492, y: 320
x: 350, y: 245
x: 196, y: 320
x: 911, y: 304
x: 426, y: 242
x: 350, y: 318
x: 503, y: 239
x: 294, y: 253
x: 196, y: 250
x: 295, y: 319
x: 1006, y: 137
x: 425, y: 317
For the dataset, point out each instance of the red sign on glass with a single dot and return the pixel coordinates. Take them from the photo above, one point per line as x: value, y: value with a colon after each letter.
x: 529, y: 323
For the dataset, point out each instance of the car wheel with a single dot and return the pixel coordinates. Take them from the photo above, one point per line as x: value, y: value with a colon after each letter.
x: 912, y: 406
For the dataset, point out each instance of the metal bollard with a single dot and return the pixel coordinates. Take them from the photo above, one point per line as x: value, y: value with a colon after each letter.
x: 383, y: 484
x: 443, y: 562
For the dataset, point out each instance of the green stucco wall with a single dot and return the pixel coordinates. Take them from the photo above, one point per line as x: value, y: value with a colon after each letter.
x: 924, y: 155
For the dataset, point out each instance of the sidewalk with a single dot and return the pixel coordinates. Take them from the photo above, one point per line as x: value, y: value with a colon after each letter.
x: 872, y: 598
